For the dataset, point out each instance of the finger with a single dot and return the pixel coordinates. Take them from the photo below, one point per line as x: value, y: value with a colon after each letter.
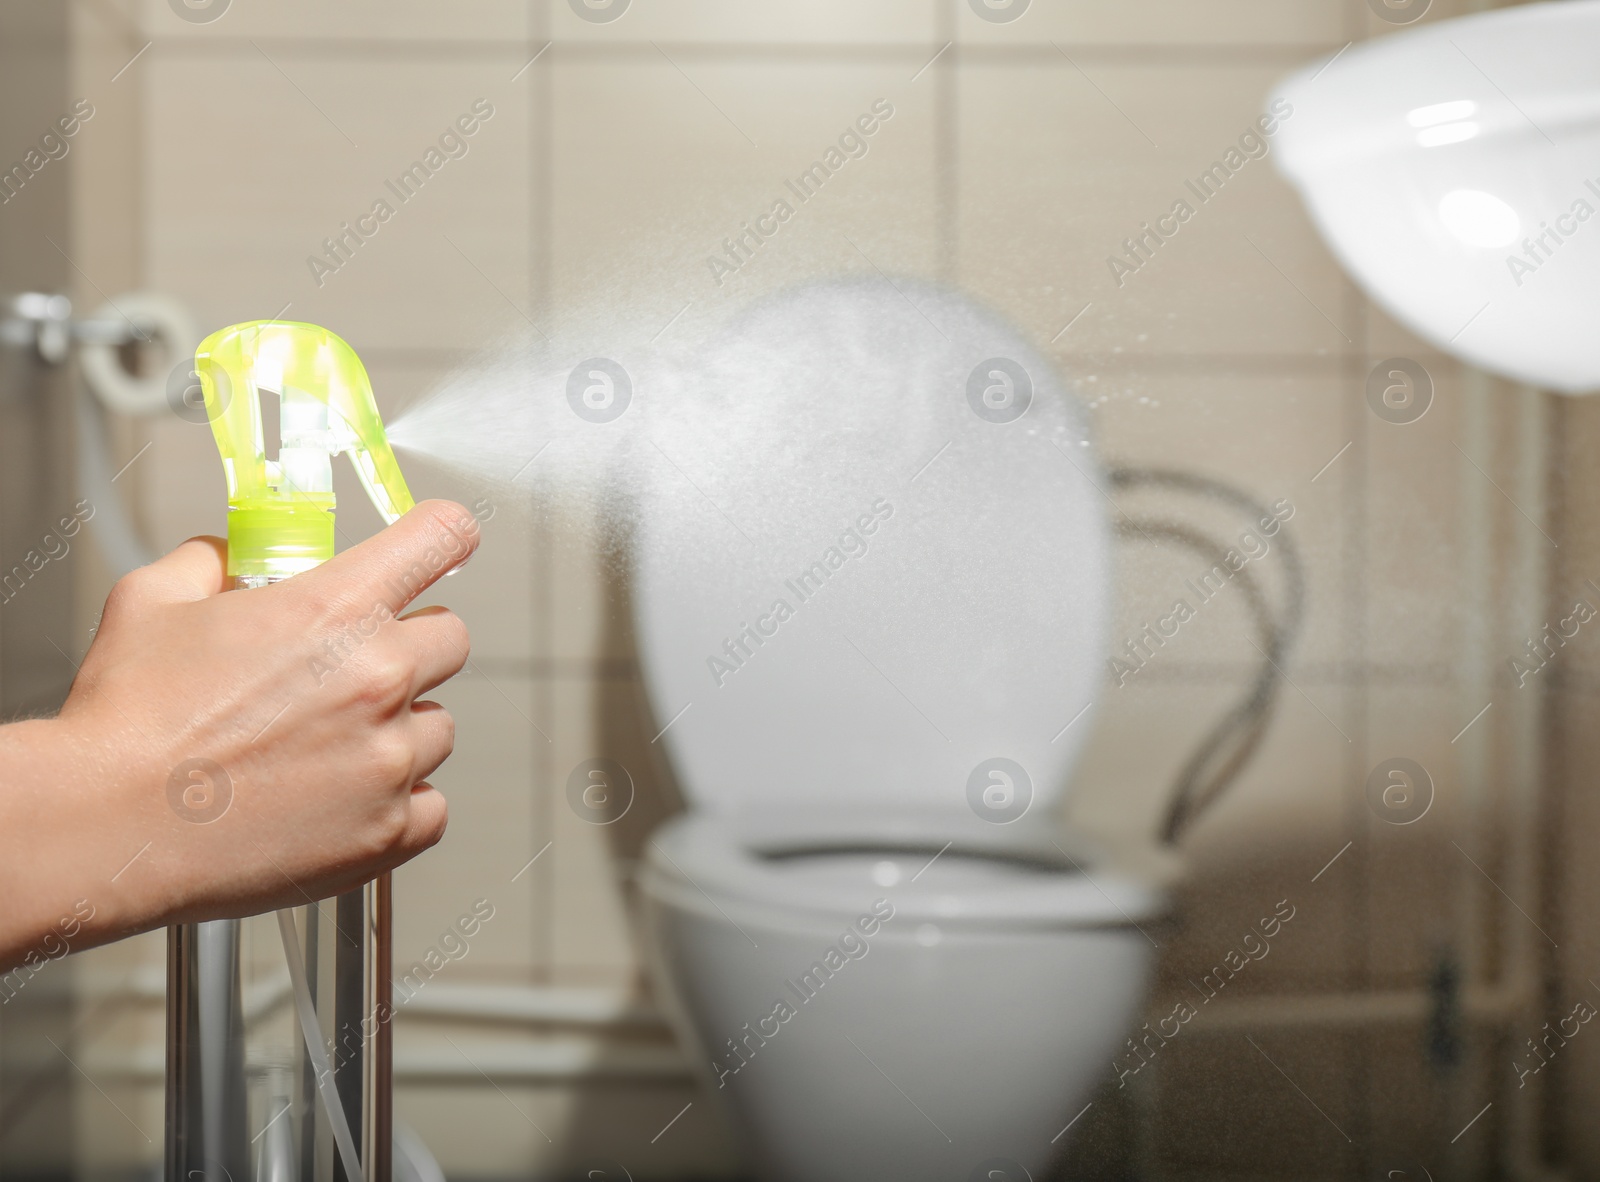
x: 437, y: 640
x: 399, y: 563
x: 433, y: 738
x: 425, y: 820
x: 198, y: 569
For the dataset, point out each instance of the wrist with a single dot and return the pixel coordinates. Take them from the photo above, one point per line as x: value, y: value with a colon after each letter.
x: 79, y: 816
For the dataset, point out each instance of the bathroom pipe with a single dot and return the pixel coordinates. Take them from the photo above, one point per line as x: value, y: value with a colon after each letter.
x: 148, y: 316
x: 45, y: 322
x: 594, y: 1007
x: 547, y: 1062
x: 1529, y: 596
x: 1489, y: 1006
x: 1234, y: 739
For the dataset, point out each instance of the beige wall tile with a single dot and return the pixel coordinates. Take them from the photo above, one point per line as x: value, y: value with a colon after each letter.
x: 482, y: 1132
x: 592, y: 858
x: 494, y: 594
x: 107, y: 221
x: 1258, y: 1116
x: 234, y: 240
x: 1414, y: 874
x: 1145, y: 732
x: 1272, y: 436
x: 1416, y: 502
x: 494, y: 831
x: 637, y: 220
x: 488, y: 1131
x: 1060, y: 168
x: 586, y: 610
x: 615, y: 1125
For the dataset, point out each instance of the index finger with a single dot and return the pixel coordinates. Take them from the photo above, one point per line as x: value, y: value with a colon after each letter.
x: 399, y: 563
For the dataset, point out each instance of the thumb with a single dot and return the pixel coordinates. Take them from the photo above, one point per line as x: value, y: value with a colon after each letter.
x: 399, y: 562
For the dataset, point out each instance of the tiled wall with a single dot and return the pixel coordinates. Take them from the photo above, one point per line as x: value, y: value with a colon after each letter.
x: 1019, y: 157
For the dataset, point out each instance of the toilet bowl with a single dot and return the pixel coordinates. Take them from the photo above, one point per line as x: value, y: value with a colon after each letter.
x: 871, y: 598
x: 875, y: 999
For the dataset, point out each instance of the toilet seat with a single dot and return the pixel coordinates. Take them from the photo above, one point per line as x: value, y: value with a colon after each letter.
x: 824, y: 620
x: 813, y: 867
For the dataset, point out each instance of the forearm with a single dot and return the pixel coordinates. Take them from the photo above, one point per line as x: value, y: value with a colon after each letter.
x: 71, y: 832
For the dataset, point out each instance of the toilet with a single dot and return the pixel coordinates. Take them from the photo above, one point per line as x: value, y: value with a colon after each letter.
x: 871, y: 594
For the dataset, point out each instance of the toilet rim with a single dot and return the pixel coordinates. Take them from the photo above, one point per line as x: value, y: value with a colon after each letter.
x: 717, y: 861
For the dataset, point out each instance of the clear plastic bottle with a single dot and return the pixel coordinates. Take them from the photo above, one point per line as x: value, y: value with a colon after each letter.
x: 279, y: 1026
x: 244, y: 1029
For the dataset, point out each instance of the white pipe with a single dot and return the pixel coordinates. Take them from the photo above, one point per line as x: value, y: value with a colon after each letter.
x: 1474, y: 749
x: 1485, y: 1006
x: 556, y: 1005
x: 551, y: 1062
x: 1528, y: 599
x: 152, y: 316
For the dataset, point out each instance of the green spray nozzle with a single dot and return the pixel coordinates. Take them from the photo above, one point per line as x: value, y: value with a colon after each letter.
x: 280, y: 511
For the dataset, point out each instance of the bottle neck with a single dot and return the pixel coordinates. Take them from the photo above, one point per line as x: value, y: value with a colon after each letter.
x: 275, y: 539
x: 250, y: 582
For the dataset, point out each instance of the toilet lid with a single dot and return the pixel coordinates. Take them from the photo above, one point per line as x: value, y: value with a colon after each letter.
x: 871, y: 560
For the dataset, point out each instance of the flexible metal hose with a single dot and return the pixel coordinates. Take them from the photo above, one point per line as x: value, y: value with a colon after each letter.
x: 1225, y: 750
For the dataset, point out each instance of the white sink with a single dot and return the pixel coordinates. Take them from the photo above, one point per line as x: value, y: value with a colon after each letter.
x: 1455, y: 171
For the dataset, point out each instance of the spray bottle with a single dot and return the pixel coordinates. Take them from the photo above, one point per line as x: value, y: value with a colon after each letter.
x: 317, y: 1106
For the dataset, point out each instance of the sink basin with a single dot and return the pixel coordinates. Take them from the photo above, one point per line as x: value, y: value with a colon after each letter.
x: 1454, y: 169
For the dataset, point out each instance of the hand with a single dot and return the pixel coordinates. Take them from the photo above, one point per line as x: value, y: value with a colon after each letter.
x: 269, y: 744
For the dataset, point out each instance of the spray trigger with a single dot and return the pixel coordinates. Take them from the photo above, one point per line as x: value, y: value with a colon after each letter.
x: 280, y: 511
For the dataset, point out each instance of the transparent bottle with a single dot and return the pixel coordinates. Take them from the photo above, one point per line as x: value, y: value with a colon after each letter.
x: 279, y: 1027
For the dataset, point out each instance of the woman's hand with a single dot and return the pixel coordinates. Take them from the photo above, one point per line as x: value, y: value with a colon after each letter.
x: 225, y: 754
